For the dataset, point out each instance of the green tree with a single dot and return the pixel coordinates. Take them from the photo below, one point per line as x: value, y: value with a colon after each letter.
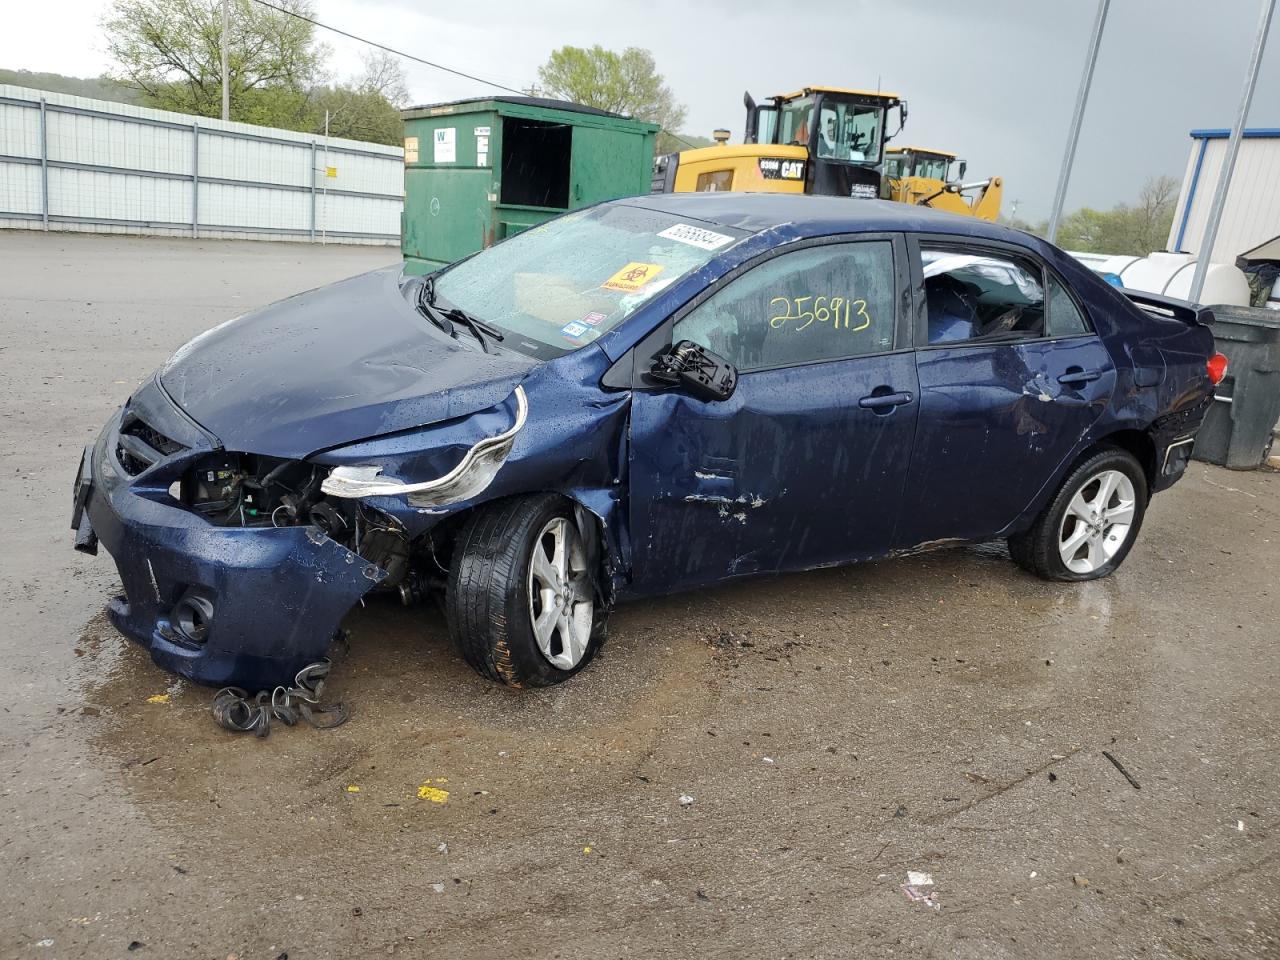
x: 169, y: 50
x: 626, y: 83
x: 1136, y: 230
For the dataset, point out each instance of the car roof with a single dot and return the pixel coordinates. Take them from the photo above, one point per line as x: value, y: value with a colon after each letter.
x: 819, y: 216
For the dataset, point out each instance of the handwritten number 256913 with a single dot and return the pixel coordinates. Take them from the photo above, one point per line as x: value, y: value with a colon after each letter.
x: 837, y: 311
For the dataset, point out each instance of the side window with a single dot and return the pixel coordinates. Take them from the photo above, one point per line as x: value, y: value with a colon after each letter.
x: 821, y: 303
x: 972, y: 296
x: 1065, y: 318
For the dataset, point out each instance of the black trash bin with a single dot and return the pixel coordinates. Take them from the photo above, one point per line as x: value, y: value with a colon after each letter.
x: 1237, y: 430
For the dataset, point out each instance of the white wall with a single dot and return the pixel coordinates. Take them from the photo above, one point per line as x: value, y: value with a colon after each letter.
x: 1252, y: 212
x: 113, y: 167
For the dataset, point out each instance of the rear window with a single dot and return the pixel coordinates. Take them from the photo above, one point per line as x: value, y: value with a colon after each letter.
x: 558, y: 286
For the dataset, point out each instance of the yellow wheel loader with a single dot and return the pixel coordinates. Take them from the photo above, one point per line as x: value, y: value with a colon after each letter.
x: 821, y: 140
x: 935, y: 178
x: 824, y: 140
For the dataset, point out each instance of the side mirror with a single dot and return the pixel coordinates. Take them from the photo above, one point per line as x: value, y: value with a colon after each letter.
x: 964, y: 165
x: 699, y: 371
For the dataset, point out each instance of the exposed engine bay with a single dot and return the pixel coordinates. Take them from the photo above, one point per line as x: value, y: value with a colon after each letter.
x: 248, y: 490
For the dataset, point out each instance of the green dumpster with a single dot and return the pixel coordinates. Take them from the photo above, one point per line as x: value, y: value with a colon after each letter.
x: 1237, y: 429
x: 477, y: 171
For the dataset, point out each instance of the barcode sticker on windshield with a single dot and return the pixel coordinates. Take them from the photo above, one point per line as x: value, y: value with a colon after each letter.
x: 696, y: 236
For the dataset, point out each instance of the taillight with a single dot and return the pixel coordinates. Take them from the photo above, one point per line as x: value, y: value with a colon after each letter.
x: 1217, y: 368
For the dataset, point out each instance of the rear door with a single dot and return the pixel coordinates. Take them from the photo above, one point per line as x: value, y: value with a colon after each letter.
x: 804, y: 465
x: 1011, y: 378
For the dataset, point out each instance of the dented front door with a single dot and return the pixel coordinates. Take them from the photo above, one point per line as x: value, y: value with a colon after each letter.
x: 804, y: 465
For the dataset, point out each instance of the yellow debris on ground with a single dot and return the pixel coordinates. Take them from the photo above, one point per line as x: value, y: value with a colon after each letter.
x: 434, y: 794
x: 158, y: 698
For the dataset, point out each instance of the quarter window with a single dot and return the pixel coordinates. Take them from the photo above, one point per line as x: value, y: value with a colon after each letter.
x: 973, y: 296
x: 1065, y: 318
x: 821, y: 303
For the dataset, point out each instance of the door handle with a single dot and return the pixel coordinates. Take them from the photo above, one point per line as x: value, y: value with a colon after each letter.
x: 1079, y: 375
x: 885, y: 400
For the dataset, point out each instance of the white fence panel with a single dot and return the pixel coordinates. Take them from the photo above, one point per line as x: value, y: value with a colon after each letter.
x: 71, y: 163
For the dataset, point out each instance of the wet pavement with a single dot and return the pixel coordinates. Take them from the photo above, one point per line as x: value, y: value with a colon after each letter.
x: 943, y: 714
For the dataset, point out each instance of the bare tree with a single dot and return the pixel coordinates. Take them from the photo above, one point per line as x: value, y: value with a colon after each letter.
x: 384, y: 75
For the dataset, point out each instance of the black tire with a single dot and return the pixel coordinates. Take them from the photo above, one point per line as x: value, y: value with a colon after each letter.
x: 1037, y: 551
x: 487, y: 597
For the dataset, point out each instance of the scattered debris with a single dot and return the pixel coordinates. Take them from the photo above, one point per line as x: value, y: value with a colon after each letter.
x: 914, y: 890
x: 1079, y: 881
x: 137, y: 944
x: 1120, y: 766
x: 767, y: 759
x: 434, y: 794
x: 438, y: 887
x: 353, y: 788
x: 158, y: 698
x: 686, y: 800
x: 702, y: 896
x: 46, y: 942
x: 586, y: 851
x: 1053, y: 777
x: 235, y: 710
x: 901, y: 811
x: 90, y: 711
x: 1240, y: 825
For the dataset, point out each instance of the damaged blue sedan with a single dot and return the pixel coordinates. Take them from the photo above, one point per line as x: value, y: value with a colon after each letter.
x: 649, y: 395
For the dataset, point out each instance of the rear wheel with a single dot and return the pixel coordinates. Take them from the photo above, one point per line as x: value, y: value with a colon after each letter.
x: 1089, y: 527
x: 521, y: 599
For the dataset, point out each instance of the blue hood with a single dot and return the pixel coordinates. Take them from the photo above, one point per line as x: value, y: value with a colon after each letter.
x: 330, y: 366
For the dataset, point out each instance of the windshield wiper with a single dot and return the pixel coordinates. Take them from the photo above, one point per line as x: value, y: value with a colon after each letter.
x: 446, y: 316
x: 427, y: 307
x: 476, y: 326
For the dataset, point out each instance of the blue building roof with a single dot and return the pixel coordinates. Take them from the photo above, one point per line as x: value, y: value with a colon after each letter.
x: 1260, y: 133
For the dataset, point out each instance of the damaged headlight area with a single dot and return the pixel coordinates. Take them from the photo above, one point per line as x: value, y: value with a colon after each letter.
x: 470, y: 477
x: 248, y: 490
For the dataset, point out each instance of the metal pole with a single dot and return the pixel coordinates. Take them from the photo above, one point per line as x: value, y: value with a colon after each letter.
x: 195, y: 180
x: 226, y: 93
x: 324, y: 207
x: 1082, y: 97
x: 44, y: 164
x: 1204, y: 252
x: 313, y: 191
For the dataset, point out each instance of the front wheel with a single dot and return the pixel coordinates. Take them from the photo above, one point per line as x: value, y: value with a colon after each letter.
x: 520, y: 599
x: 1090, y: 525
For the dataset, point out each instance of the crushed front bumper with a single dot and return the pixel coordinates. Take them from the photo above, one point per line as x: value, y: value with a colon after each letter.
x: 269, y: 599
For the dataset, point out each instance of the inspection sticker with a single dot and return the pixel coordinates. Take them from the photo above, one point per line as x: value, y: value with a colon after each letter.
x: 573, y: 330
x: 633, y: 276
x: 696, y: 236
x: 594, y: 319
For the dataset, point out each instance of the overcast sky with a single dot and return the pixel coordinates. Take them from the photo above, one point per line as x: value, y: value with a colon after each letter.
x: 994, y: 80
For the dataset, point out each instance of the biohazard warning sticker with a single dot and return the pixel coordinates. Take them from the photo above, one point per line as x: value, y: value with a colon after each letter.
x: 632, y: 277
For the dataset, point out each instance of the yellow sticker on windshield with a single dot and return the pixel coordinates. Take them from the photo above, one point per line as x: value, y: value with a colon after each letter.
x: 632, y: 277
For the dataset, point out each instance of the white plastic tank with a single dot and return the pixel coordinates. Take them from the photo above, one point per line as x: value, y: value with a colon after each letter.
x: 1169, y: 274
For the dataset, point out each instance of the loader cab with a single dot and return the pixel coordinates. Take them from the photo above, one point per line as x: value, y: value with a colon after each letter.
x: 903, y: 162
x: 843, y: 131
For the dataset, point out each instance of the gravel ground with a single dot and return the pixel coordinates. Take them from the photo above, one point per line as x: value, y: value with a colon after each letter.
x: 944, y: 714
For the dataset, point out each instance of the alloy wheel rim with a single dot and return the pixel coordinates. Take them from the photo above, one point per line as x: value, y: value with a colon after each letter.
x: 561, y: 599
x: 1098, y: 521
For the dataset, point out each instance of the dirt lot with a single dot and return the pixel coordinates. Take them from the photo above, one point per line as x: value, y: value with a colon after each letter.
x: 944, y: 714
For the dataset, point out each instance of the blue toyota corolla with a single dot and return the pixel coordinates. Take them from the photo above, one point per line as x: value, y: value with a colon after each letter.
x: 648, y: 395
